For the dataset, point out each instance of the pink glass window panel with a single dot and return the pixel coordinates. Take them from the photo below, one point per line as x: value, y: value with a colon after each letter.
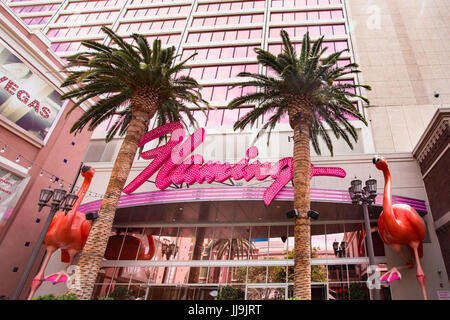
x: 145, y: 26
x: 248, y: 90
x: 341, y: 45
x: 174, y: 10
x: 141, y: 13
x: 213, y: 7
x: 235, y: 70
x: 289, y: 17
x: 206, y: 92
x: 220, y: 21
x: 272, y: 73
x: 258, y: 18
x: 245, y: 19
x: 330, y: 46
x: 276, y: 17
x: 240, y: 52
x: 326, y: 30
x: 324, y: 2
x: 214, y: 53
x: 337, y: 14
x: 268, y: 115
x: 134, y: 27
x: 209, y: 73
x: 274, y: 32
x: 289, y: 3
x: 202, y: 54
x: 215, y: 118
x: 196, y: 73
x: 184, y: 72
x: 157, y: 25
x: 243, y: 112
x: 193, y: 37
x: 223, y: 72
x: 225, y: 6
x: 335, y: 1
x: 234, y: 92
x: 289, y: 30
x: 256, y: 34
x: 233, y: 20
x: 202, y: 8
x: 163, y: 11
x: 251, y: 51
x: 200, y: 117
x: 313, y: 15
x: 343, y: 63
x: 152, y: 11
x: 339, y: 30
x: 230, y: 35
x: 312, y: 2
x: 185, y: 9
x: 277, y: 3
x: 252, y: 68
x: 220, y: 93
x: 209, y: 22
x: 168, y: 24
x: 227, y: 53
x: 230, y: 116
x: 218, y: 36
x: 179, y: 24
x: 274, y: 49
x: 284, y: 118
x: 259, y: 4
x: 300, y: 3
x: 247, y: 5
x: 314, y: 31
x: 324, y: 15
x: 174, y: 39
x: 301, y: 16
x: 92, y: 17
x: 123, y: 28
x: 53, y: 33
x: 236, y: 5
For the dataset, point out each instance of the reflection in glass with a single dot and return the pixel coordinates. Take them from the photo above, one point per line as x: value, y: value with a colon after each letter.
x: 257, y: 274
x: 338, y: 291
x: 266, y: 294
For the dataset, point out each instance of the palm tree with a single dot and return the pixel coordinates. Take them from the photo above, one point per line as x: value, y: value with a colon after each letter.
x: 305, y: 89
x: 235, y: 248
x: 136, y: 83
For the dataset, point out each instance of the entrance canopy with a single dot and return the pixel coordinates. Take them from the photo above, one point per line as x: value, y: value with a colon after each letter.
x: 235, y: 204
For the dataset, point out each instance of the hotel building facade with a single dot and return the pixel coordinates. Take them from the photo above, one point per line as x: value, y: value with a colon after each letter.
x: 209, y: 236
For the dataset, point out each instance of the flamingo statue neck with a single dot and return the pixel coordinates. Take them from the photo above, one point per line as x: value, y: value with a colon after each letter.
x: 81, y: 194
x: 388, y: 211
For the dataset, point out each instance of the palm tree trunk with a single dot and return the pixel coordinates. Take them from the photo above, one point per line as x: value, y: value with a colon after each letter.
x: 94, y: 249
x: 302, y: 249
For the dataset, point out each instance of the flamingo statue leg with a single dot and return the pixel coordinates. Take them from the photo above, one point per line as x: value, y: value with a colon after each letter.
x: 394, y: 273
x: 37, y: 281
x: 420, y: 274
x: 62, y: 275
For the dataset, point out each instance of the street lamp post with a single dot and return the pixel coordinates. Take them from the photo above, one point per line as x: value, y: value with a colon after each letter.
x: 60, y: 201
x: 366, y: 197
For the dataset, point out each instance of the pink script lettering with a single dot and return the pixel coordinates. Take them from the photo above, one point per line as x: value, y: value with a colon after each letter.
x: 176, y: 164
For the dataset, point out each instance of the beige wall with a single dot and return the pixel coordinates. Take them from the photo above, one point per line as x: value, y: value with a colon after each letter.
x: 403, y: 50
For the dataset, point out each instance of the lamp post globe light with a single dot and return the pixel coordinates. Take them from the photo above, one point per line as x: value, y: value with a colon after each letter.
x: 60, y: 201
x: 365, y: 196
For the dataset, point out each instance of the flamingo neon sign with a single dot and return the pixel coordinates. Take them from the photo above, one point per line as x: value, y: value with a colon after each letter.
x: 177, y: 164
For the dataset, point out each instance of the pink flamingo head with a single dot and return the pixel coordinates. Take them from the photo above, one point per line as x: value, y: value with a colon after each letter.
x: 87, y: 172
x: 380, y: 163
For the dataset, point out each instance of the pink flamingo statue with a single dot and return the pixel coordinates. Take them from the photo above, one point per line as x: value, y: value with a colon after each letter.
x: 399, y: 225
x: 66, y: 232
